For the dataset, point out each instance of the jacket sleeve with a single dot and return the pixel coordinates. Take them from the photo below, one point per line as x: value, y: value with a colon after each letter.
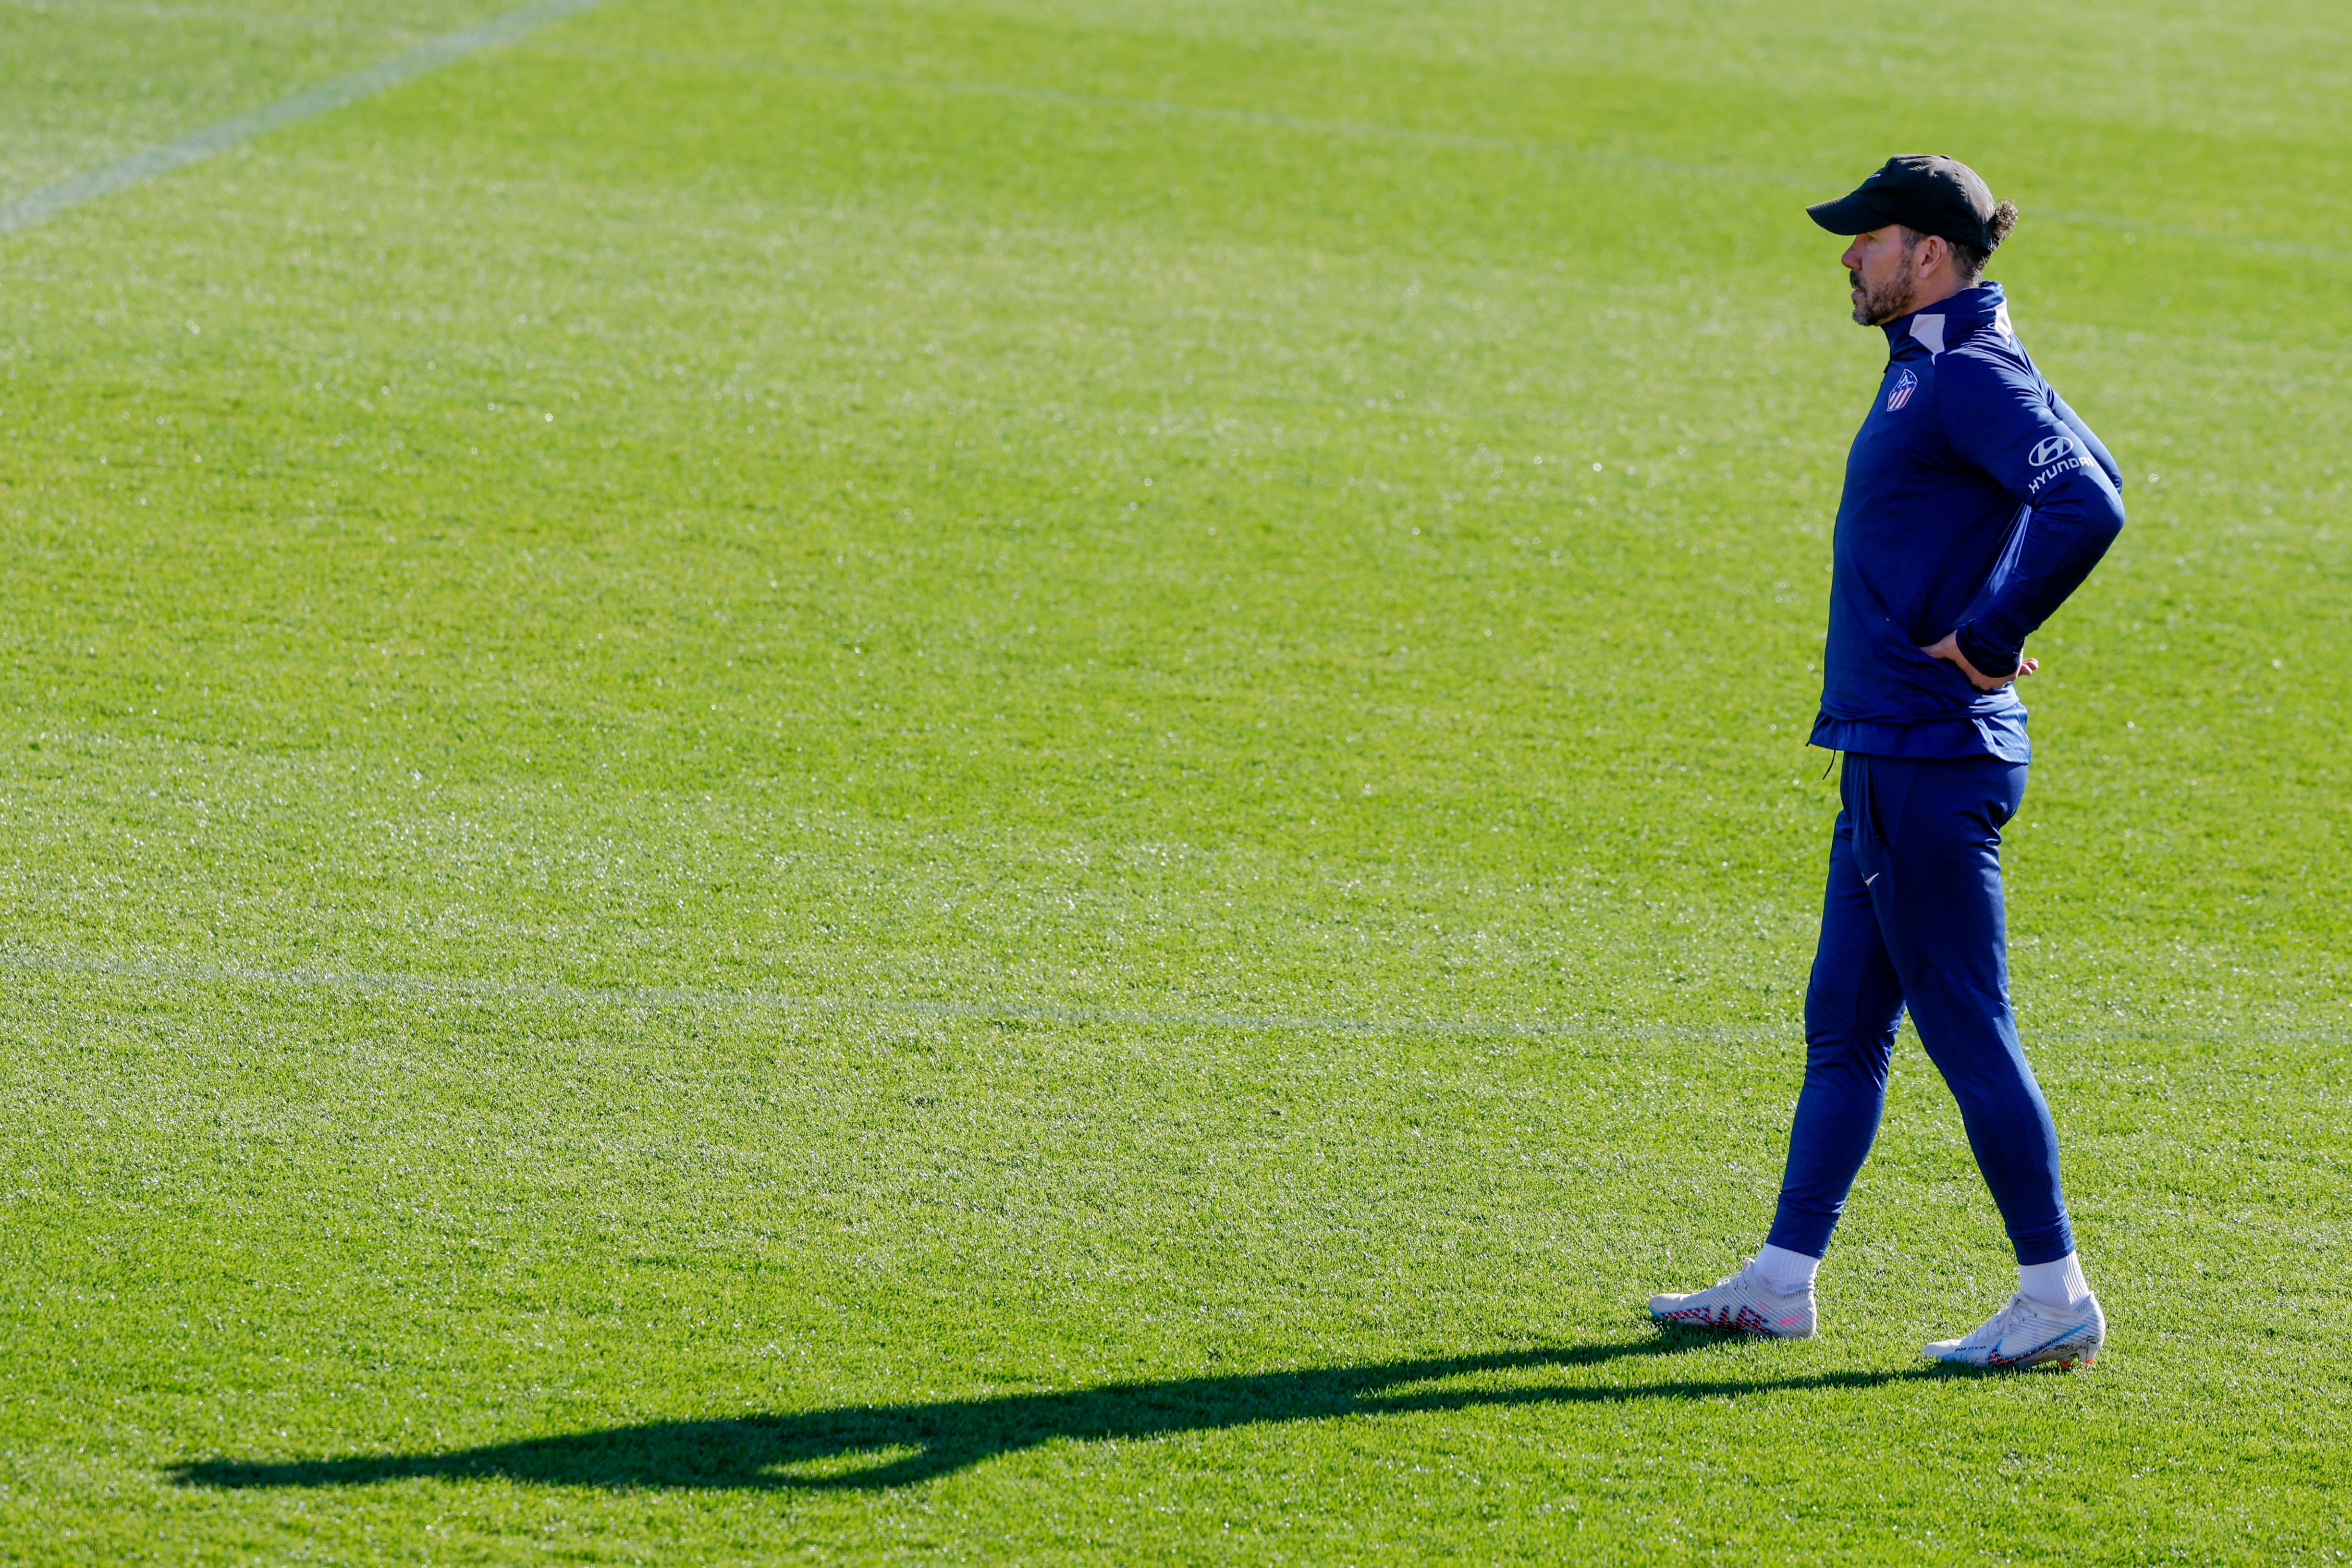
x: 2091, y: 443
x: 2001, y: 417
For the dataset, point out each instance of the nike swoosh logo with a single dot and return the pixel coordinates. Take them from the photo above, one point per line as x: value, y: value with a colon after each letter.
x: 1994, y: 1357
x: 1872, y: 878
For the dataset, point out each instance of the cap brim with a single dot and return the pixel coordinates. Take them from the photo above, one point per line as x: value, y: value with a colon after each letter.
x: 1857, y: 214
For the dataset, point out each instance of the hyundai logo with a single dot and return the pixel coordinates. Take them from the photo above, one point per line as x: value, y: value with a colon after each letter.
x: 2049, y: 450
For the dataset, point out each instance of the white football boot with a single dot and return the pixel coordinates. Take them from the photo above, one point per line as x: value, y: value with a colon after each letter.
x: 1741, y: 1303
x: 2026, y: 1333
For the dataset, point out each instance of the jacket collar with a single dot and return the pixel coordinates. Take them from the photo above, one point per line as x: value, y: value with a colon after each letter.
x: 1943, y: 324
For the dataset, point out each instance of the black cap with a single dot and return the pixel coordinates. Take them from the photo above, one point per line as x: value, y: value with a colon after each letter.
x: 1924, y: 192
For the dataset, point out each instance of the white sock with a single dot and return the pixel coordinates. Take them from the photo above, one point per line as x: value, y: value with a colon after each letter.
x: 2059, y: 1284
x: 1784, y: 1270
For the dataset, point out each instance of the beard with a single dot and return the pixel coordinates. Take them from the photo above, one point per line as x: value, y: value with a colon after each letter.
x: 1877, y: 305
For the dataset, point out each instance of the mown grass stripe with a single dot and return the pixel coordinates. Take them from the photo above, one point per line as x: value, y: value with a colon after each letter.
x: 1365, y: 130
x: 176, y: 971
x: 39, y: 207
x: 474, y: 988
x: 1374, y: 130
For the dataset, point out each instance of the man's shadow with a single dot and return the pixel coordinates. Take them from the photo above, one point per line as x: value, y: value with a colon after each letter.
x: 872, y: 1447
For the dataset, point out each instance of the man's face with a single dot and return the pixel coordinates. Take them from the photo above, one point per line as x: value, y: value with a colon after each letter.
x: 1881, y: 269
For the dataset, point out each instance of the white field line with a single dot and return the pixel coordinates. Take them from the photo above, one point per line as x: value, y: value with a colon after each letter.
x: 459, y: 988
x: 39, y: 206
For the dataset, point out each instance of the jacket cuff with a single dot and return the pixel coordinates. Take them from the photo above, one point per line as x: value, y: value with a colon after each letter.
x: 1991, y: 658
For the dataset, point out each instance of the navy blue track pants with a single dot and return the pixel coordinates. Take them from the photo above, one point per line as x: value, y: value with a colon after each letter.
x: 1913, y: 918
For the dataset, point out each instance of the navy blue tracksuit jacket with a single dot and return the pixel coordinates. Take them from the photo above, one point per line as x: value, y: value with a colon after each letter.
x: 1975, y: 500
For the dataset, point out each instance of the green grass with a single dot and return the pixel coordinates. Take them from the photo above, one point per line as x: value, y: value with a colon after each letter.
x: 1025, y: 782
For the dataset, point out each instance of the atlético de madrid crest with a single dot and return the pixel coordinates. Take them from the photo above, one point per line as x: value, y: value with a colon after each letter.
x: 1905, y: 386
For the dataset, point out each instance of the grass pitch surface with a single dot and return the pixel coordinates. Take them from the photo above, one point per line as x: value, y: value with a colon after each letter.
x: 1025, y: 782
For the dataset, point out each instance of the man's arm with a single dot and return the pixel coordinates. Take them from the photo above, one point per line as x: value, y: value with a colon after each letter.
x: 1997, y: 415
x: 2091, y: 442
x: 1949, y: 650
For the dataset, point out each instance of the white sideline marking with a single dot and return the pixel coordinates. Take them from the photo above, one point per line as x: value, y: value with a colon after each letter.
x: 39, y: 206
x: 169, y: 971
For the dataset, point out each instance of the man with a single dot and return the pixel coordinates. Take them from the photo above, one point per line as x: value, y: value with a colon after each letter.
x: 1975, y: 502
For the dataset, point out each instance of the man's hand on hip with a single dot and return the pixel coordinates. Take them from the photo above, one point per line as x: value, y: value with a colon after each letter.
x: 1949, y: 650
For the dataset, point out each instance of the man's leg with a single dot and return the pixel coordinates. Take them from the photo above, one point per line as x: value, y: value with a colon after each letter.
x: 1941, y: 908
x: 1852, y: 1008
x: 1939, y: 904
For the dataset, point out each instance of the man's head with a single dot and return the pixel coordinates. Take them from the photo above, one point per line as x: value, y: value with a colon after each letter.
x: 1923, y: 228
